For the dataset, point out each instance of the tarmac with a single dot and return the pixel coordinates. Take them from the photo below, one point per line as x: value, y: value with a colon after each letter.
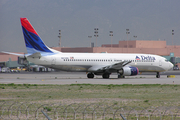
x: 62, y: 78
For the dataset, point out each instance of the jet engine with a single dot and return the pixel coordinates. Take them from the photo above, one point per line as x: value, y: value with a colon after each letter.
x: 128, y: 71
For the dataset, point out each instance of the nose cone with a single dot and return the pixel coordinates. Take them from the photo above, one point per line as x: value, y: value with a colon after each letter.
x: 170, y: 65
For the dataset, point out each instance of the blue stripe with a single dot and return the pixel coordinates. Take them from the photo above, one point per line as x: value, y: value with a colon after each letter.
x: 34, y: 42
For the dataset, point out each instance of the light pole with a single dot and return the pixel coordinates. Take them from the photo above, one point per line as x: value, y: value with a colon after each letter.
x: 96, y: 34
x: 135, y: 37
x: 90, y: 39
x: 172, y: 36
x: 59, y: 38
x: 111, y: 35
x: 127, y: 32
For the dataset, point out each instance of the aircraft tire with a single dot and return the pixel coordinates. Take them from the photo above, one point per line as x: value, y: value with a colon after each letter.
x: 158, y: 75
x: 90, y: 75
x: 105, y: 76
x: 121, y: 76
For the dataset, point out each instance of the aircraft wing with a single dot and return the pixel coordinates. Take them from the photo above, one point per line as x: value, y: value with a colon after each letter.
x: 115, y: 66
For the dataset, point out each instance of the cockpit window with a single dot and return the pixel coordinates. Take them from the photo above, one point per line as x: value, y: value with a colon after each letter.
x: 166, y: 60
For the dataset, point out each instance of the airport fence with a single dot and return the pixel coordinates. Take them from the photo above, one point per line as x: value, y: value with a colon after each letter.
x: 78, y: 111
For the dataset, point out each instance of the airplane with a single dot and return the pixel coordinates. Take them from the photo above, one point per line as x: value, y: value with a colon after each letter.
x: 93, y: 63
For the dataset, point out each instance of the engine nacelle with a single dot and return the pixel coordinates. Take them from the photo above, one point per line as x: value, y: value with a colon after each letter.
x: 129, y: 71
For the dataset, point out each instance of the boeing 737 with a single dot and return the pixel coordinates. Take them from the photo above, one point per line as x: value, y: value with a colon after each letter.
x: 93, y: 63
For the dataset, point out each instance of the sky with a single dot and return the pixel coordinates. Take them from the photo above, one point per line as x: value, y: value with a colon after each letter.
x: 146, y: 19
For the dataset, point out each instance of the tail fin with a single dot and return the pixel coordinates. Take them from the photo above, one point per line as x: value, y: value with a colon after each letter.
x: 32, y: 40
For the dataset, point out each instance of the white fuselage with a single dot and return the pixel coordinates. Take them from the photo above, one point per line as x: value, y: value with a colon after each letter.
x: 90, y: 62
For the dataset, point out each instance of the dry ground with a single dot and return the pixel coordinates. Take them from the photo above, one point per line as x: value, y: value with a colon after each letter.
x: 131, y: 95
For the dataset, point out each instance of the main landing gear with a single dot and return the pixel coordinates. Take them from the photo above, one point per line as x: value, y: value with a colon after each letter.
x: 90, y: 75
x: 157, y: 75
x: 105, y: 75
x: 121, y: 76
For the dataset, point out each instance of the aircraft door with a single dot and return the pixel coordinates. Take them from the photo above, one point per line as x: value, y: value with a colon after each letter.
x: 160, y: 63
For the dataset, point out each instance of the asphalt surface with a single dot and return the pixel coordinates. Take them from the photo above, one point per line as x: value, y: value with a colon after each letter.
x: 62, y: 78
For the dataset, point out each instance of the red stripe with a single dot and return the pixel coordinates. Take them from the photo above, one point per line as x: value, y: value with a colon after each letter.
x: 27, y: 25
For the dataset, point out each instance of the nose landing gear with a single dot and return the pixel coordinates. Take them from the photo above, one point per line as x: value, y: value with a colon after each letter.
x: 157, y: 75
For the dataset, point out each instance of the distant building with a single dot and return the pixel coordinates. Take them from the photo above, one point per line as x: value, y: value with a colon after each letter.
x: 136, y: 46
x: 7, y: 60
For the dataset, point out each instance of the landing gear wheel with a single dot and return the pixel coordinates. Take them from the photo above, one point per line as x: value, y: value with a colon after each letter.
x: 90, y: 75
x: 105, y: 75
x: 157, y: 75
x: 121, y: 76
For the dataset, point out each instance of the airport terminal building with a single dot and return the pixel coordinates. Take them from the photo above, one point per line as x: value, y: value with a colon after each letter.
x: 135, y: 46
x: 171, y: 52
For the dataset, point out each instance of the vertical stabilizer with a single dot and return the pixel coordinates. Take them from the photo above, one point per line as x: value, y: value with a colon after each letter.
x: 32, y: 40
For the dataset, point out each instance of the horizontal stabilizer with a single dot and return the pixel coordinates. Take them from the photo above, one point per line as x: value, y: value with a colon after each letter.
x: 17, y: 54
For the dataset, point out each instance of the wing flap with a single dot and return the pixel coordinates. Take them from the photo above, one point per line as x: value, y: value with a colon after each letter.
x: 96, y: 68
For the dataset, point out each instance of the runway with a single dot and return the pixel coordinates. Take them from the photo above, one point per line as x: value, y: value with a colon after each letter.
x: 62, y: 78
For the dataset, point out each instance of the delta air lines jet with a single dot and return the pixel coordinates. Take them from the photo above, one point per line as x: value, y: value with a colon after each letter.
x: 93, y: 63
